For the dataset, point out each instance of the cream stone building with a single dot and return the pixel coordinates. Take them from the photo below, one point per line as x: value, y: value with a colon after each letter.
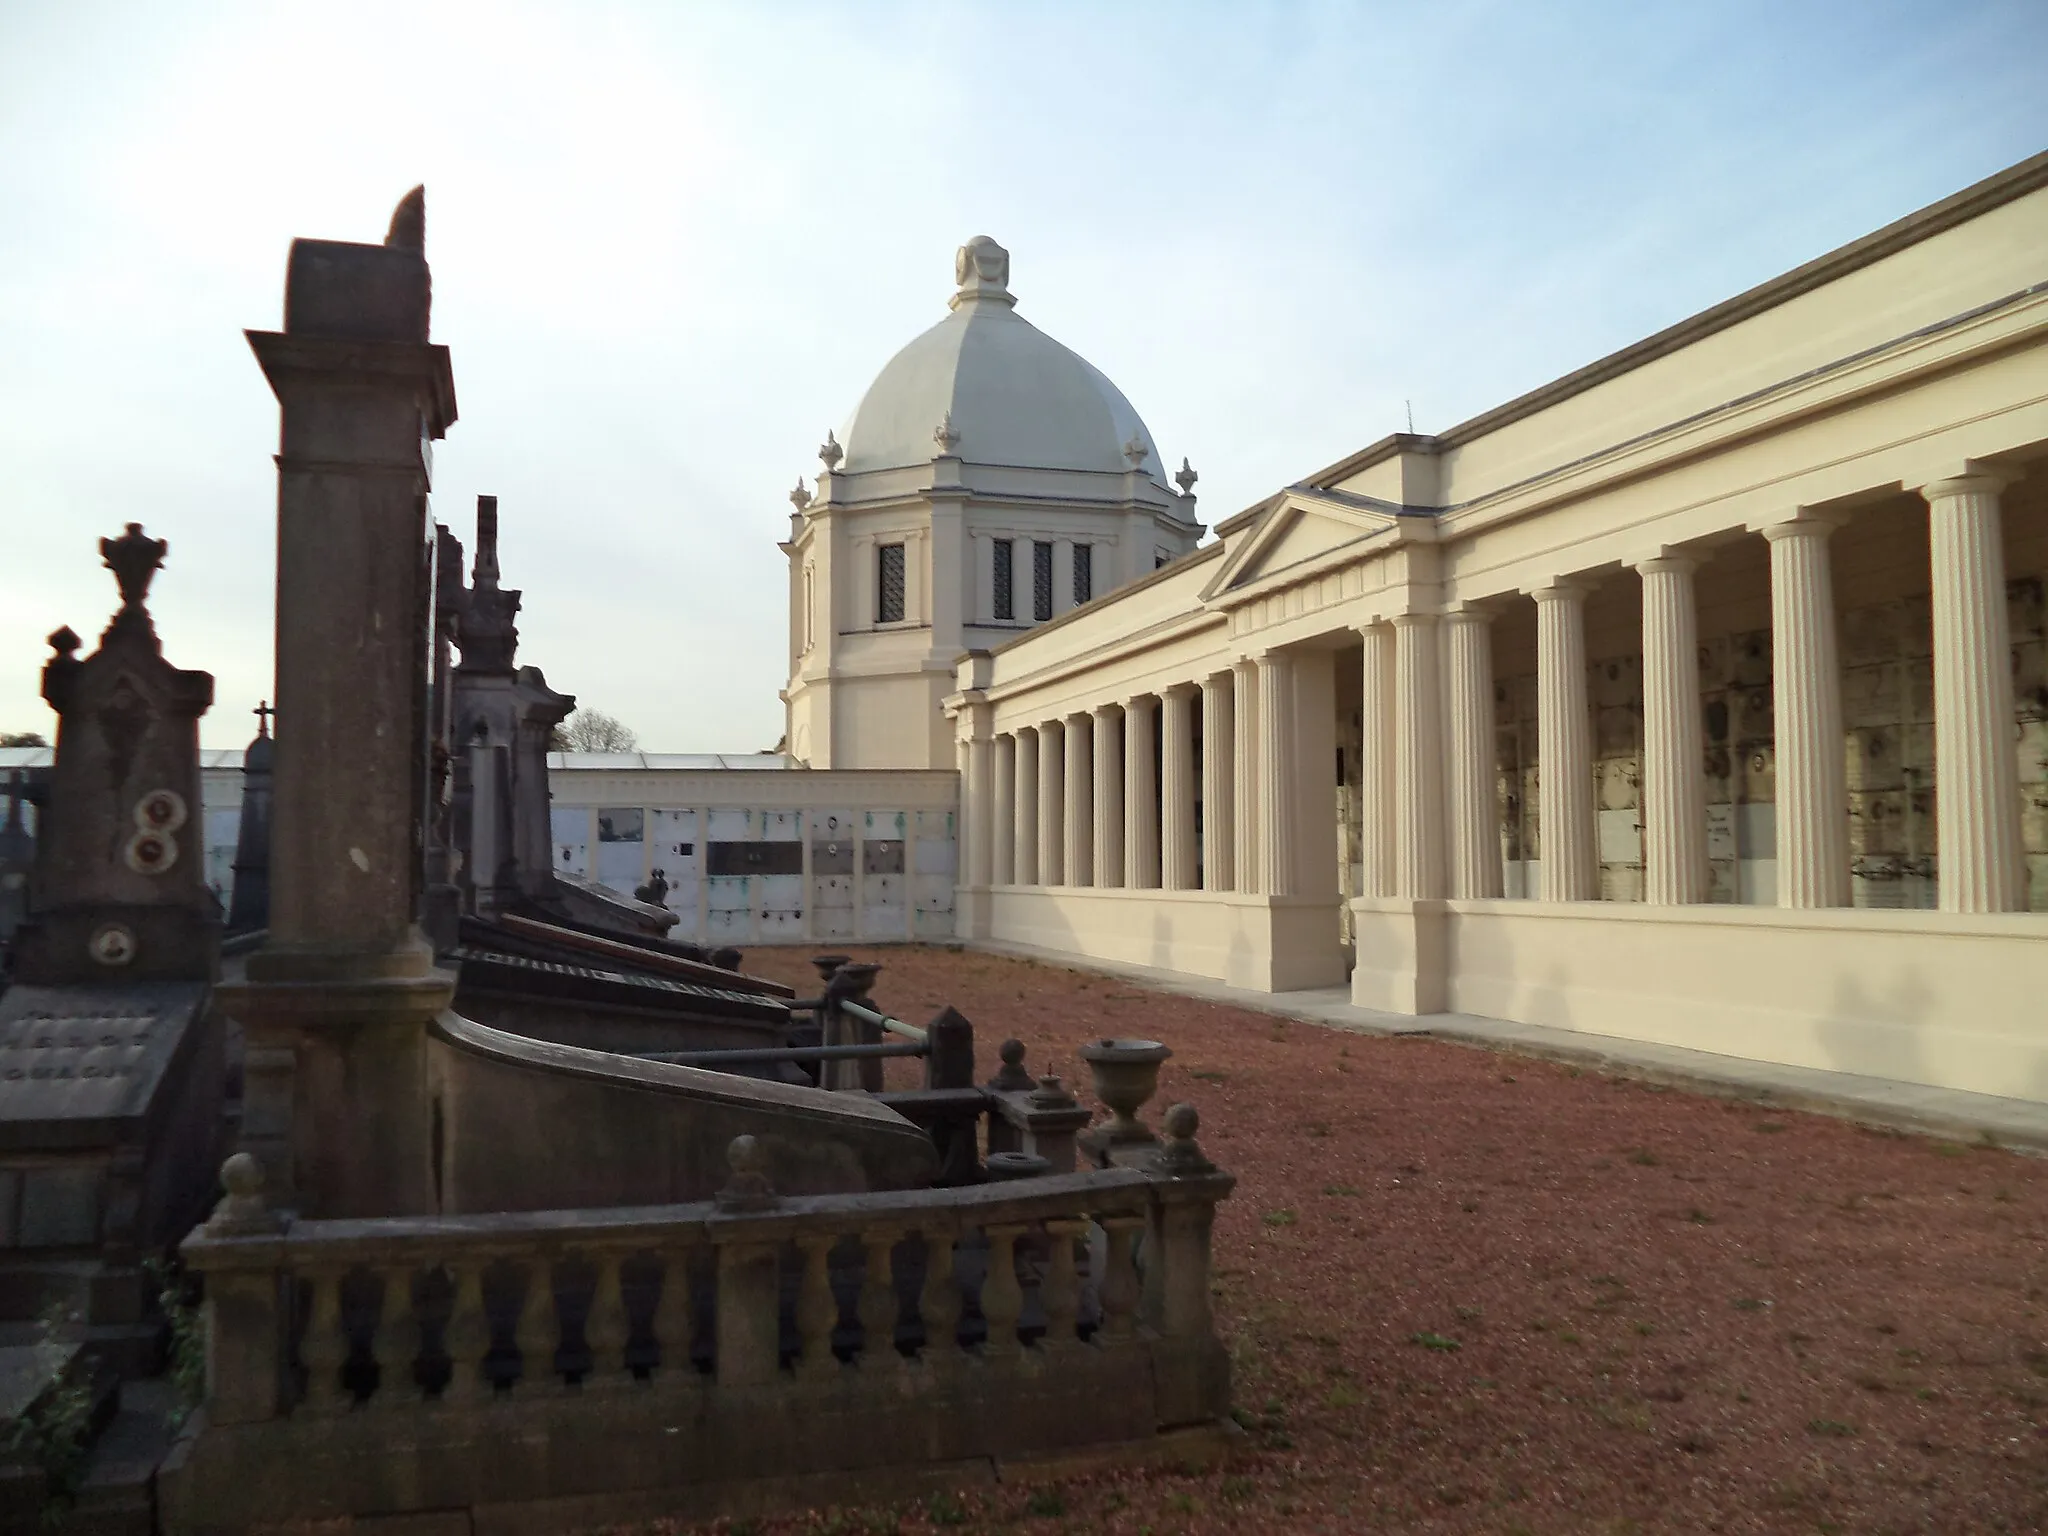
x: 1697, y: 697
x: 989, y: 480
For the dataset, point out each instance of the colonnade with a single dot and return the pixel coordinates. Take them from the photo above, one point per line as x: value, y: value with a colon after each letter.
x: 1078, y: 800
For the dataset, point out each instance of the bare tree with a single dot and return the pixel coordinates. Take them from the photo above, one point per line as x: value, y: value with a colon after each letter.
x: 592, y: 730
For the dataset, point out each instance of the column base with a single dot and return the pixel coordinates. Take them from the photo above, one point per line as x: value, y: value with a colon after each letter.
x: 1403, y: 947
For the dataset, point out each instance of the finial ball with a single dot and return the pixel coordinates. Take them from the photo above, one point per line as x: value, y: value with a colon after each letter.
x: 1182, y: 1121
x: 242, y: 1176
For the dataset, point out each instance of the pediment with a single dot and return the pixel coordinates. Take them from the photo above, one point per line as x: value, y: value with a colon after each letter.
x: 1301, y: 532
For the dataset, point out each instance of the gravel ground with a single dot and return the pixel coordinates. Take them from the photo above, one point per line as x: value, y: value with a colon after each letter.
x: 1472, y: 1292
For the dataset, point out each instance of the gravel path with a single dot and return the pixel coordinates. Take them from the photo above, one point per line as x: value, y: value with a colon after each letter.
x: 1469, y: 1292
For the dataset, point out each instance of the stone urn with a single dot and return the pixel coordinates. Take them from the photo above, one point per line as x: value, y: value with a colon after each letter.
x: 1126, y: 1075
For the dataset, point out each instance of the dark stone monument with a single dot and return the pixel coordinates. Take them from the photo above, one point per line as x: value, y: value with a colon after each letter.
x: 111, y: 1070
x: 249, y: 904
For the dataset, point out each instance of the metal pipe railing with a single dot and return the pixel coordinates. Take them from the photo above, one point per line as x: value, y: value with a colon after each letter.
x: 882, y: 1021
x: 721, y: 1058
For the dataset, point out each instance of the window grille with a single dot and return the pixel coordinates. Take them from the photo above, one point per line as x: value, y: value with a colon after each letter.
x: 1084, y: 572
x: 1006, y: 603
x: 1041, y: 580
x: 889, y: 584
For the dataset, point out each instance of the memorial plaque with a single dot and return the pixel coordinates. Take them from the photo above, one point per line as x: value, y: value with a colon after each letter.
x: 77, y: 1061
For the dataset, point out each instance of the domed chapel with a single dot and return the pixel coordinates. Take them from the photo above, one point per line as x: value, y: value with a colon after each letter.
x: 989, y: 480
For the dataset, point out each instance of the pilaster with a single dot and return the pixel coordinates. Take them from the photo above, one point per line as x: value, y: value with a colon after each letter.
x: 1177, y: 850
x: 1219, y: 750
x: 1564, y: 729
x: 1806, y: 681
x: 1976, y: 776
x: 1675, y: 870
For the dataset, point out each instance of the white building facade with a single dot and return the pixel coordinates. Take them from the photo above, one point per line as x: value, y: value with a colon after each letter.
x: 989, y: 480
x: 1698, y: 697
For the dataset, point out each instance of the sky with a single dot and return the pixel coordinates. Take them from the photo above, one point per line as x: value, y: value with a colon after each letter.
x: 673, y: 243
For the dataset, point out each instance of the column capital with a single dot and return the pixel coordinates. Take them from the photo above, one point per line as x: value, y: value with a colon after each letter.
x: 1179, y: 690
x: 1682, y: 561
x: 1106, y: 711
x: 1411, y: 620
x: 1975, y: 480
x: 1563, y: 590
x: 1802, y: 523
x: 1478, y: 615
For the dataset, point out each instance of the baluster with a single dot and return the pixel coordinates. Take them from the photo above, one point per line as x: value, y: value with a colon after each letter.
x: 674, y: 1317
x: 324, y: 1349
x: 1002, y: 1298
x: 396, y: 1343
x: 1119, y: 1288
x: 940, y: 1302
x: 1060, y: 1290
x: 878, y: 1302
x: 468, y: 1339
x: 538, y: 1331
x: 817, y: 1309
x: 607, y: 1332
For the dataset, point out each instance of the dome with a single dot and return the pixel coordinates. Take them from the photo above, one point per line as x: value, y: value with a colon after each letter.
x: 994, y: 389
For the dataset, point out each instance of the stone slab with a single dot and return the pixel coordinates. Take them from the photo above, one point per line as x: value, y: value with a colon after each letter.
x: 80, y: 1065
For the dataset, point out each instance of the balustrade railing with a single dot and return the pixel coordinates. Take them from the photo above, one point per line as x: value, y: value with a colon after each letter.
x: 313, y: 1318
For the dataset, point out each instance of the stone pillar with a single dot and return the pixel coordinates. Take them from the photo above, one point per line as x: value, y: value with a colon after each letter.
x: 1474, y: 795
x: 1244, y: 753
x: 1141, y: 800
x: 1052, y: 831
x: 345, y: 985
x: 1027, y: 807
x: 1675, y: 870
x: 1418, y: 758
x: 1976, y: 777
x: 1080, y: 793
x: 1564, y: 735
x: 1219, y: 820
x: 1376, y: 763
x: 1177, y: 850
x: 1276, y: 774
x: 977, y: 822
x: 1806, y: 684
x: 1003, y: 832
x: 1109, y: 797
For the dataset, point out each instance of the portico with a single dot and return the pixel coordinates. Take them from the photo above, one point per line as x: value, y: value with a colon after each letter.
x: 1697, y: 697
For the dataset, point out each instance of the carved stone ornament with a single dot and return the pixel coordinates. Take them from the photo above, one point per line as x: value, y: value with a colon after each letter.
x: 112, y: 944
x: 161, y: 810
x: 151, y: 853
x: 945, y: 434
x: 1136, y: 451
x: 982, y: 269
x: 748, y: 1188
x: 800, y: 498
x: 830, y: 453
x: 134, y: 558
x: 1185, y: 478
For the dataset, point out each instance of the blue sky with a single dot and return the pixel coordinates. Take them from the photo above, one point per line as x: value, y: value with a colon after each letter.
x: 672, y: 244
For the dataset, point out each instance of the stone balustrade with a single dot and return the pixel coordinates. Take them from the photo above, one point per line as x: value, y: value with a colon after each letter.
x: 1011, y: 1318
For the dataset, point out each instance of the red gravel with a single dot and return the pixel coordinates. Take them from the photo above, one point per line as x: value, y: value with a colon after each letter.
x: 1468, y: 1291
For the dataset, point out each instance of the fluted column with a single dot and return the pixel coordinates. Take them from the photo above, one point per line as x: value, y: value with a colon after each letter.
x: 1806, y: 685
x: 977, y: 820
x: 1244, y: 753
x: 1052, y: 831
x: 1219, y: 809
x: 1564, y: 743
x: 1027, y: 807
x: 1376, y: 764
x: 1474, y: 796
x: 1674, y: 754
x: 1276, y: 774
x: 1109, y: 796
x: 1141, y: 801
x: 1177, y: 851
x: 1418, y: 758
x: 1976, y: 776
x: 1003, y: 833
x: 1079, y: 782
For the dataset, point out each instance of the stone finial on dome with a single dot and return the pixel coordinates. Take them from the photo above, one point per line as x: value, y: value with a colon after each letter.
x: 982, y: 269
x: 800, y: 498
x: 1136, y: 451
x: 1185, y: 477
x: 830, y: 453
x: 945, y: 434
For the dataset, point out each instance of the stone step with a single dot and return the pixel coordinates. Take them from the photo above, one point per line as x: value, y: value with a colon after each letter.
x: 117, y: 1496
x: 32, y: 1376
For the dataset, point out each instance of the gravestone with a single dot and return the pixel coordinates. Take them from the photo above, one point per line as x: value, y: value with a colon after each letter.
x: 111, y: 1071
